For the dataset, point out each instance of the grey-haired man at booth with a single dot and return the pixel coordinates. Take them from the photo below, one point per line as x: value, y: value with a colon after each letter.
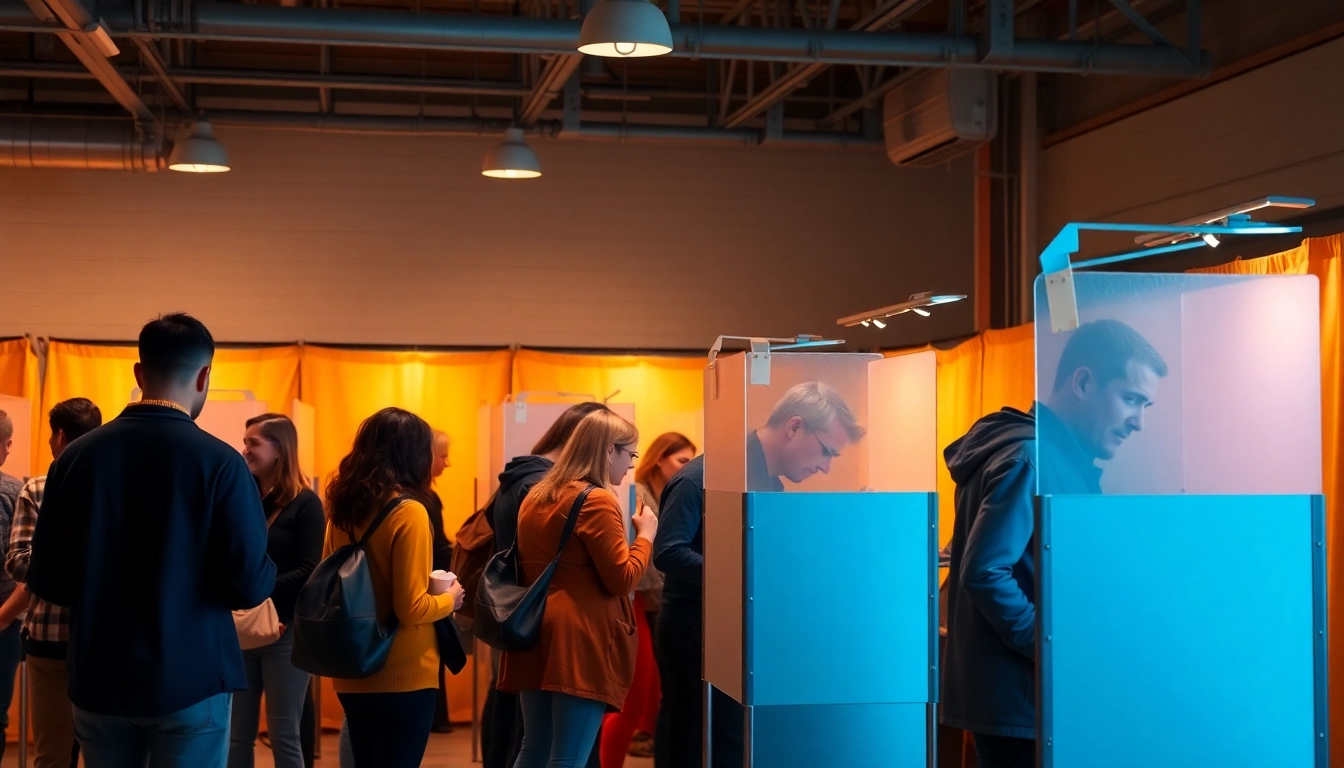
x: 1107, y: 378
x: 808, y: 428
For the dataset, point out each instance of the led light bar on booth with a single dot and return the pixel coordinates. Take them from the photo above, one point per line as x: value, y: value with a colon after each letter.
x: 917, y: 303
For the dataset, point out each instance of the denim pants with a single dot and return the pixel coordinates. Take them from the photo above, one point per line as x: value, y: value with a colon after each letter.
x: 389, y: 730
x: 559, y: 730
x: 197, y: 736
x: 11, y: 653
x: 270, y: 671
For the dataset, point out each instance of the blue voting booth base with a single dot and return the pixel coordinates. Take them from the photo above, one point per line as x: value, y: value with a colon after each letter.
x: 838, y: 624
x: 1181, y: 632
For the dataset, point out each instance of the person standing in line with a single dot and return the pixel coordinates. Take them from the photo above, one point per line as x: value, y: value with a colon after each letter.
x: 390, y: 712
x: 47, y: 627
x: 585, y: 659
x: 13, y: 601
x: 151, y: 532
x: 443, y: 560
x: 667, y: 454
x: 501, y: 720
x: 294, y: 544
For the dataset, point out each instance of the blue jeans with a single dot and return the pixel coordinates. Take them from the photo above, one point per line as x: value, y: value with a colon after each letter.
x: 559, y: 730
x: 269, y: 670
x: 197, y: 736
x: 11, y: 653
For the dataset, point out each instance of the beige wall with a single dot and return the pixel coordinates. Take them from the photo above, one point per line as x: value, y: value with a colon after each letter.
x: 378, y: 240
x: 1277, y: 130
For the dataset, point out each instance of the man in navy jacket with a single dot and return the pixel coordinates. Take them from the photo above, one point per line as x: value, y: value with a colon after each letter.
x: 151, y: 532
x: 1108, y: 376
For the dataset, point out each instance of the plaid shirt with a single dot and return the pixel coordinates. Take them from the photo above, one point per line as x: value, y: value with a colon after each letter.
x: 45, y: 622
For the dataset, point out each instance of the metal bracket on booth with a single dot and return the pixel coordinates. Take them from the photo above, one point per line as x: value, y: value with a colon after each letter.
x: 1161, y: 238
x: 760, y: 348
x: 520, y: 401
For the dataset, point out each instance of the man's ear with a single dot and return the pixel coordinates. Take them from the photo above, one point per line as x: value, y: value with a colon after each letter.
x: 203, y: 379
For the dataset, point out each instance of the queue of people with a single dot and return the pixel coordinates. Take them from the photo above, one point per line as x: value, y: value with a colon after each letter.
x: 127, y: 565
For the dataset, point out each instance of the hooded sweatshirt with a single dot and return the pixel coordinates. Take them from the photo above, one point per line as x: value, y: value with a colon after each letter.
x: 989, y: 667
x: 515, y: 482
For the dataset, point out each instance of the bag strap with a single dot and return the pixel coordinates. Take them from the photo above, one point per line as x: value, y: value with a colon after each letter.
x: 377, y: 521
x: 572, y: 519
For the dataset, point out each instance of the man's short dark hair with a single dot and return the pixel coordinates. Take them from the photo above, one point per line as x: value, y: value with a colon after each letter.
x: 1106, y: 348
x: 75, y: 418
x: 174, y: 347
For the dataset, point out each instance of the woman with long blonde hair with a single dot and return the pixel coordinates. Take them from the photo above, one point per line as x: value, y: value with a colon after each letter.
x: 667, y: 454
x: 585, y: 659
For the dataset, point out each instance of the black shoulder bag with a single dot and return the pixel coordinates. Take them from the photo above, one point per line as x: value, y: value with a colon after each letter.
x: 508, y: 616
x: 337, y: 629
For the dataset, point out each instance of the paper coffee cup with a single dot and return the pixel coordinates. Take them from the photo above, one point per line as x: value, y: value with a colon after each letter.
x: 440, y: 581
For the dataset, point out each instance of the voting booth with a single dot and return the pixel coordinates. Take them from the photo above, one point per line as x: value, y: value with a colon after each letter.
x: 1180, y: 523
x: 820, y: 613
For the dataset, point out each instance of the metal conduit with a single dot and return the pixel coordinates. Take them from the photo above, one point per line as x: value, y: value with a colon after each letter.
x: 76, y: 143
x: 467, y: 126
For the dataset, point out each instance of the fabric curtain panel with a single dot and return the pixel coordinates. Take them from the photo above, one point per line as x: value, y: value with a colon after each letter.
x: 20, y: 376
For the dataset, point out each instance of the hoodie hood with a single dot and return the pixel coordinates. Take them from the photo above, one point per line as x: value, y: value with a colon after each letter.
x: 520, y: 468
x: 987, y: 437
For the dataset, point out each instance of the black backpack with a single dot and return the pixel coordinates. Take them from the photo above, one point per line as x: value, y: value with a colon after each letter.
x: 337, y: 630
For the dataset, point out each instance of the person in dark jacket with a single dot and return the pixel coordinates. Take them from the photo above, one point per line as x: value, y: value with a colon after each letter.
x: 1108, y: 376
x: 151, y: 532
x: 501, y: 722
x: 297, y: 526
x: 679, y: 552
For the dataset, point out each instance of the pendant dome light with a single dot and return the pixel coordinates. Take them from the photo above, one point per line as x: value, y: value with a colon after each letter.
x: 625, y: 29
x: 511, y: 158
x: 199, y: 152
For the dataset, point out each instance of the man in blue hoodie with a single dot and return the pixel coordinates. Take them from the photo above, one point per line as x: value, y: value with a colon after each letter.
x: 1108, y: 376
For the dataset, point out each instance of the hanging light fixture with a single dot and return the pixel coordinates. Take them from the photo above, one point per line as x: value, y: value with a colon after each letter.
x: 625, y: 29
x: 511, y: 158
x: 199, y: 152
x: 919, y: 303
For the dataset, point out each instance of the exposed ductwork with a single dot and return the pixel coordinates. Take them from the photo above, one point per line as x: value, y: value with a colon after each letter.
x: 505, y: 34
x: 76, y: 143
x: 329, y: 26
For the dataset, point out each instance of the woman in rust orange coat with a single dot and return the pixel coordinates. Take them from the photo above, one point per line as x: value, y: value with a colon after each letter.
x: 585, y: 660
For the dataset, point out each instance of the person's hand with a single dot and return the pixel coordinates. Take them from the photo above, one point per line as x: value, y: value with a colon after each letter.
x: 646, y: 524
x: 459, y: 594
x: 282, y: 628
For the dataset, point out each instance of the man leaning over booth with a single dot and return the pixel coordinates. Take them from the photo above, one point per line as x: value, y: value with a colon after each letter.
x: 807, y: 429
x: 1108, y: 376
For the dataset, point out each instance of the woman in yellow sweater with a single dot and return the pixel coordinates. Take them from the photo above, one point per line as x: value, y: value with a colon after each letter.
x: 390, y: 713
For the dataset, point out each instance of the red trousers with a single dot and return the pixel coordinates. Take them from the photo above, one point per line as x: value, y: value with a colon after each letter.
x: 641, y: 703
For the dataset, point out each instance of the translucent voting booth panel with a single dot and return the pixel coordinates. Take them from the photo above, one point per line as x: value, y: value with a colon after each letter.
x: 820, y: 556
x: 225, y: 415
x: 1180, y: 530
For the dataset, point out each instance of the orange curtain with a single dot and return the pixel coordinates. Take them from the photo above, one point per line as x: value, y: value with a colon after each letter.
x: 1010, y: 368
x: 105, y: 374
x: 1324, y: 258
x: 446, y: 389
x: 668, y: 392
x: 20, y: 377
x: 960, y: 397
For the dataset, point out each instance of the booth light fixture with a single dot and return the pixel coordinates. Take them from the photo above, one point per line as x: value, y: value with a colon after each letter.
x: 625, y: 29
x: 917, y: 303
x: 199, y: 152
x: 1232, y: 216
x: 512, y: 158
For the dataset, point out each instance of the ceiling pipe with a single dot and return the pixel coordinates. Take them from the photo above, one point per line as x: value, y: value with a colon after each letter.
x: 407, y: 29
x: 473, y: 126
x: 76, y: 144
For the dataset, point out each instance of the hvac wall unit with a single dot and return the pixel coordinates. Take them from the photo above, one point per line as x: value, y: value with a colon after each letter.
x: 940, y: 114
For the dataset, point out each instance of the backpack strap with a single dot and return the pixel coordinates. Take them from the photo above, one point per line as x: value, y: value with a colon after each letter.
x: 573, y: 518
x: 382, y: 515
